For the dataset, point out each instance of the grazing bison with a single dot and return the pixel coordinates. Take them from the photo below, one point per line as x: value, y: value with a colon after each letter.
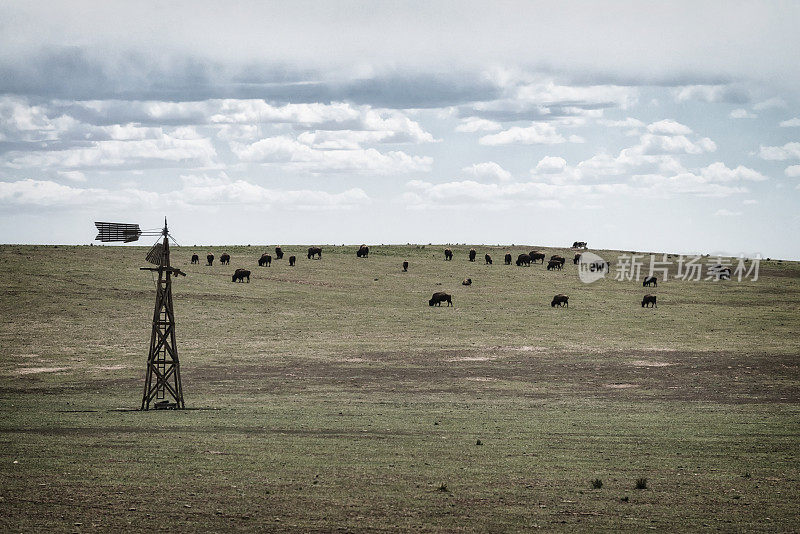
x: 278, y: 253
x: 210, y: 259
x: 363, y: 251
x: 265, y: 260
x: 240, y: 274
x: 448, y: 254
x: 535, y: 255
x: 719, y: 272
x: 472, y: 254
x: 523, y: 259
x: 292, y: 260
x: 508, y: 259
x: 553, y: 265
x: 650, y: 281
x: 488, y: 259
x: 314, y: 251
x: 649, y: 300
x: 225, y: 259
x: 466, y: 282
x: 440, y: 297
x: 579, y: 244
x: 560, y: 300
x: 405, y: 266
x: 576, y: 259
x: 195, y: 259
x: 560, y: 259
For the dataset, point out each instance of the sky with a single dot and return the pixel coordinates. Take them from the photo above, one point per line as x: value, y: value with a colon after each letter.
x: 647, y: 126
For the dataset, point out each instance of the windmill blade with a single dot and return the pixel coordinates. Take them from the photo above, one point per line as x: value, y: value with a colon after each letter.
x: 109, y: 232
x: 156, y: 254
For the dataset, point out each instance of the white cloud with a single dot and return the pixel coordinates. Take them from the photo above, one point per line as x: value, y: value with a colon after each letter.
x: 674, y: 144
x: 710, y: 93
x: 793, y: 171
x: 685, y: 183
x: 750, y: 202
x: 293, y: 154
x: 775, y: 102
x: 629, y: 122
x: 476, y: 124
x: 551, y: 165
x: 791, y: 123
x: 488, y: 170
x: 726, y: 213
x: 719, y: 172
x: 536, y: 134
x: 668, y: 127
x: 73, y: 176
x: 742, y: 113
x: 780, y: 153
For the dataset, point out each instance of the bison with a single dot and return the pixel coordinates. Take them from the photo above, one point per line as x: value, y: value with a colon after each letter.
x: 292, y: 261
x: 650, y: 281
x: 210, y: 259
x: 648, y: 300
x: 278, y: 253
x: 440, y: 297
x: 508, y: 259
x: 315, y: 251
x: 195, y: 259
x: 576, y: 259
x: 405, y: 266
x: 265, y: 260
x: 553, y: 265
x: 488, y: 259
x: 466, y: 282
x: 579, y: 244
x: 560, y: 259
x: 240, y: 274
x: 448, y: 254
x: 472, y: 254
x: 523, y: 259
x: 560, y: 301
x: 362, y: 252
x: 535, y: 255
x: 225, y: 259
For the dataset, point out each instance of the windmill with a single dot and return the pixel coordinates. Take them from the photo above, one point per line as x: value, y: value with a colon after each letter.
x: 163, y: 375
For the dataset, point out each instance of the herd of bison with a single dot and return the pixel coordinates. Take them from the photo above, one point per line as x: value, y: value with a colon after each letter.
x: 555, y: 262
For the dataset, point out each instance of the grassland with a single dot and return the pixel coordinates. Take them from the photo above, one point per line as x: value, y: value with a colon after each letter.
x: 330, y: 396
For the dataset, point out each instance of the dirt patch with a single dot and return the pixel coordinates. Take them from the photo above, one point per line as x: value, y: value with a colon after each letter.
x: 472, y: 359
x: 621, y: 386
x: 37, y: 370
x: 649, y: 363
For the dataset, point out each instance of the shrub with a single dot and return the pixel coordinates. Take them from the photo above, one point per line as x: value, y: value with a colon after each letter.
x: 597, y: 483
x: 641, y: 483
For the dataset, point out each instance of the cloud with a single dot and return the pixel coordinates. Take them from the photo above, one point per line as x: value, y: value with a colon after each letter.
x: 793, y: 171
x: 726, y: 213
x: 775, y: 102
x: 780, y: 153
x: 719, y: 172
x: 196, y: 192
x: 488, y: 170
x: 674, y: 144
x: 791, y: 123
x: 551, y: 165
x: 742, y: 113
x: 629, y: 122
x: 73, y: 176
x: 712, y: 93
x: 295, y: 155
x: 476, y: 124
x: 535, y: 134
x: 687, y: 183
x: 750, y: 202
x: 668, y: 127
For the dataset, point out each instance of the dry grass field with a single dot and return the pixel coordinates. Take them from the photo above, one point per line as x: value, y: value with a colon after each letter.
x: 330, y: 396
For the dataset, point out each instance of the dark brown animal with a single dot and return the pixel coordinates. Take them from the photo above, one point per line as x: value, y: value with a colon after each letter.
x: 650, y: 281
x: 576, y: 259
x: 440, y: 297
x: 314, y: 251
x: 472, y: 254
x: 560, y: 301
x: 554, y: 265
x: 508, y: 259
x: 558, y: 258
x: 523, y: 259
x: 225, y: 259
x: 488, y: 259
x: 466, y: 282
x: 405, y: 266
x: 363, y: 251
x: 240, y: 274
x: 278, y: 253
x: 195, y: 259
x: 579, y: 244
x: 537, y: 256
x: 210, y: 259
x: 292, y: 260
x: 265, y: 260
x: 448, y: 254
x: 649, y: 300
